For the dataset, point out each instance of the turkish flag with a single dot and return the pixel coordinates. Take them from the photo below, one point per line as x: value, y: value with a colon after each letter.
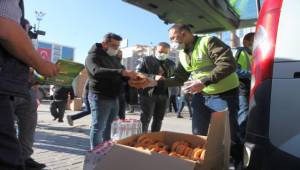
x: 45, y: 53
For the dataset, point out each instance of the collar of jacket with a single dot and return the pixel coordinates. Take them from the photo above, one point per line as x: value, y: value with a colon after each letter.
x: 189, y: 50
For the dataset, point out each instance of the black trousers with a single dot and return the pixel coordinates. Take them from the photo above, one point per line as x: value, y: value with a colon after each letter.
x: 57, y: 108
x: 153, y: 106
x: 173, y: 103
x: 85, y: 112
x: 10, y: 149
x: 122, y: 105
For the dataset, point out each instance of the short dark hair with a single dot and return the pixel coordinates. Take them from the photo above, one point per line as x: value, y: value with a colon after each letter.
x: 181, y: 27
x: 164, y: 44
x: 107, y: 37
x: 24, y: 22
x: 249, y: 36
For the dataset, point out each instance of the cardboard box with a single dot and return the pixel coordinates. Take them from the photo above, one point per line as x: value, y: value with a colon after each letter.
x: 217, y: 145
x: 79, y: 83
x: 76, y: 104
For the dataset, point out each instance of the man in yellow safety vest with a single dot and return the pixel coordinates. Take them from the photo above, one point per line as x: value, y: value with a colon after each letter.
x: 210, y: 66
x: 244, y: 59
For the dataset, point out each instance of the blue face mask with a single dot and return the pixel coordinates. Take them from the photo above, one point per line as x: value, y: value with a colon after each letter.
x: 177, y: 46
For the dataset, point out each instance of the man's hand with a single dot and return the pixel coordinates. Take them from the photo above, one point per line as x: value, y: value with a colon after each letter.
x: 159, y: 77
x: 129, y: 73
x: 193, y: 86
x: 150, y: 83
x: 142, y: 81
x: 47, y: 68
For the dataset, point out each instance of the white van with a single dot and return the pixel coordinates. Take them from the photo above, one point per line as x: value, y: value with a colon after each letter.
x: 273, y: 129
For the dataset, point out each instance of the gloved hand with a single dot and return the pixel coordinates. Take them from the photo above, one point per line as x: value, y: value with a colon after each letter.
x: 193, y: 86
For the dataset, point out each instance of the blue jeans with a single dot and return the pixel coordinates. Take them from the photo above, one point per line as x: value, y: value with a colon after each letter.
x: 85, y: 112
x: 243, y: 114
x: 182, y: 100
x: 104, y: 111
x: 243, y: 109
x: 203, y: 106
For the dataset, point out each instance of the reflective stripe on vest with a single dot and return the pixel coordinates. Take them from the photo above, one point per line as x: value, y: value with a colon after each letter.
x: 200, y: 65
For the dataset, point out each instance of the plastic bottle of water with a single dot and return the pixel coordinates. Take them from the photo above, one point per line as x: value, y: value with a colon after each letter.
x: 139, y: 127
x: 124, y: 128
x: 115, y: 135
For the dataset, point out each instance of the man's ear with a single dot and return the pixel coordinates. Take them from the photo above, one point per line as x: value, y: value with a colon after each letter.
x: 104, y: 45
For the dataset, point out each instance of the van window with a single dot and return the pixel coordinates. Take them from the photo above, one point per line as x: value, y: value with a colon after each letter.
x: 246, y: 9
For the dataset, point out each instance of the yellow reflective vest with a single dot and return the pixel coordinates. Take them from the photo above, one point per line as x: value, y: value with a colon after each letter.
x: 245, y: 60
x: 200, y: 65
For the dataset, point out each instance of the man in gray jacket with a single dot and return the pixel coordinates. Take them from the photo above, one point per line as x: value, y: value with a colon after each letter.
x: 106, y: 76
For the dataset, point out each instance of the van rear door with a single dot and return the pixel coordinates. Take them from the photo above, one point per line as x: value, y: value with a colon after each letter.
x: 203, y: 16
x: 284, y: 127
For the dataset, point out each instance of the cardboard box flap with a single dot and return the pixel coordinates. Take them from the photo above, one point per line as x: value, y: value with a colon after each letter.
x: 121, y: 156
x: 218, y: 141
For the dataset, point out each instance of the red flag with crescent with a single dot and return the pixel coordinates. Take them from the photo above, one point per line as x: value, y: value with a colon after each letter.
x: 45, y: 53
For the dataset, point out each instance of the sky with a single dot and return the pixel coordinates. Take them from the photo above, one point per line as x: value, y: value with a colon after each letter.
x: 81, y: 23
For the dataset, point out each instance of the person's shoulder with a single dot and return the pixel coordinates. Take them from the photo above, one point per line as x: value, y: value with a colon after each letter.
x: 93, y: 48
x: 96, y: 51
x: 171, y: 62
x: 213, y: 40
x: 149, y: 58
x: 10, y: 9
x: 239, y: 50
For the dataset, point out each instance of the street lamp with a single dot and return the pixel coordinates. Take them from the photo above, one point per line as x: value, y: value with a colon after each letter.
x: 39, y: 17
x: 36, y: 32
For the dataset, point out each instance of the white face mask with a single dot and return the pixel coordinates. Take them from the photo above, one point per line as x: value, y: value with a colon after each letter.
x: 177, y: 46
x: 112, y: 52
x: 161, y: 56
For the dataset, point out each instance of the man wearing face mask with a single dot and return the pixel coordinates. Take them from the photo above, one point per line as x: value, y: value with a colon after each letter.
x: 106, y: 76
x: 244, y: 59
x: 214, y: 83
x: 154, y: 101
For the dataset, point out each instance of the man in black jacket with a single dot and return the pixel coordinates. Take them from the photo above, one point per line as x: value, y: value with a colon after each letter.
x: 106, y: 76
x: 59, y: 102
x: 154, y: 101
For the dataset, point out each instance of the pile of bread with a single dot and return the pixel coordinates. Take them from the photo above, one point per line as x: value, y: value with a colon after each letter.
x: 180, y: 149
